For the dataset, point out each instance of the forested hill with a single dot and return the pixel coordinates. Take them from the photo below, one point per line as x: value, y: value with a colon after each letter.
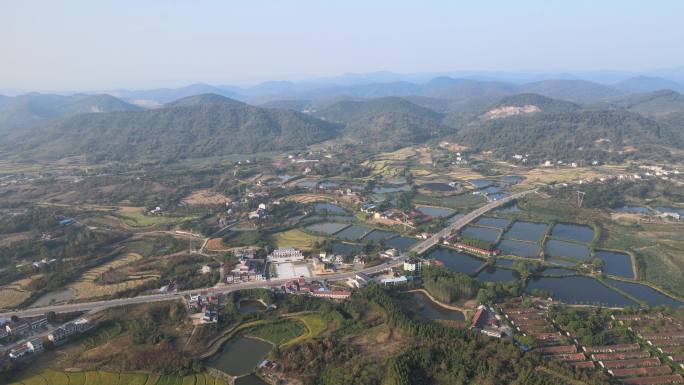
x: 556, y: 130
x: 198, y: 126
x: 386, y: 122
x: 26, y: 110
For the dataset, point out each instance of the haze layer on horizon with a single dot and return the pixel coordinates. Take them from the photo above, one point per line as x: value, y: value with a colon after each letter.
x: 109, y: 44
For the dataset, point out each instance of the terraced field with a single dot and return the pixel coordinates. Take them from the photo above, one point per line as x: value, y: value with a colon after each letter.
x: 86, y: 287
x: 16, y: 292
x: 53, y: 377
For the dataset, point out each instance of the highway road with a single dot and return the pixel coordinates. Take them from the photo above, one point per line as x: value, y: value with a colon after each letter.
x: 424, y: 246
x: 420, y: 248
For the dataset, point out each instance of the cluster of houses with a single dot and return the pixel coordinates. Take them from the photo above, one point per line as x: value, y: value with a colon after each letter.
x: 487, y: 322
x: 454, y: 241
x: 658, y: 332
x: 249, y: 268
x: 395, y: 216
x: 314, y: 289
x: 205, y: 304
x: 28, y: 330
x: 549, y: 341
x: 69, y: 329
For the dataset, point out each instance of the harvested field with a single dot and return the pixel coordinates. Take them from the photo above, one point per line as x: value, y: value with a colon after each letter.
x: 216, y: 244
x: 206, y: 197
x: 86, y: 287
x: 16, y: 292
x: 295, y: 238
x: 135, y: 217
x: 310, y: 198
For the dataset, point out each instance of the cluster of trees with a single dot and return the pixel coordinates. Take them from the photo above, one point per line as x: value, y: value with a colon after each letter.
x: 590, y: 326
x: 479, y: 243
x: 448, y: 286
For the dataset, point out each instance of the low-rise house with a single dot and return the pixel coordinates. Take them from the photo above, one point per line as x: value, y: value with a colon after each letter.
x: 611, y: 348
x: 63, y: 332
x: 648, y: 371
x: 669, y: 379
x: 38, y: 322
x: 35, y: 345
x: 341, y: 294
x: 19, y: 352
x: 17, y: 328
x: 285, y: 255
x: 412, y: 265
x: 394, y: 281
x: 633, y: 363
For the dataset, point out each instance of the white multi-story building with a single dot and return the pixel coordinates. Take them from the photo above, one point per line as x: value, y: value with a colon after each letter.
x: 285, y: 255
x: 412, y: 265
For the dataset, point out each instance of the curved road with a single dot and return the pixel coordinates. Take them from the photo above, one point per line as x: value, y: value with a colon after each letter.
x: 420, y: 248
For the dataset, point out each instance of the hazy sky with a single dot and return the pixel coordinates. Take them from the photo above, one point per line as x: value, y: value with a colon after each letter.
x: 103, y: 44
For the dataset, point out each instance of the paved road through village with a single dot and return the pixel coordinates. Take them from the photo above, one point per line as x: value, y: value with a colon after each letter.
x: 420, y: 248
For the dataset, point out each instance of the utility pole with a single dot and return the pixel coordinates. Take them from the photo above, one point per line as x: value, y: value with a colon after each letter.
x: 580, y: 198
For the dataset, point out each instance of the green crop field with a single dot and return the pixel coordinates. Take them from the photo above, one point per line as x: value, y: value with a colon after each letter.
x: 278, y: 332
x: 53, y: 377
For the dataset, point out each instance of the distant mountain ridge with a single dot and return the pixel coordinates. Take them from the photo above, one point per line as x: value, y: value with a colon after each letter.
x: 30, y: 109
x: 198, y: 126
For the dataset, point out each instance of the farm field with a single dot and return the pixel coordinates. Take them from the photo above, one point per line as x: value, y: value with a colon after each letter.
x: 314, y: 323
x: 295, y: 238
x: 86, y: 287
x: 16, y: 292
x: 278, y: 332
x: 53, y: 377
x: 206, y: 197
x: 135, y: 217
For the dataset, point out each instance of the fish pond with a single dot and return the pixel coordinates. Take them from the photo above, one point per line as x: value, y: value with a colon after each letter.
x: 327, y: 228
x: 386, y: 189
x: 353, y: 233
x: 526, y: 231
x: 430, y: 310
x: 345, y: 249
x: 436, y: 186
x: 644, y: 293
x: 572, y: 232
x: 438, y: 212
x: 378, y: 235
x: 248, y: 306
x: 633, y: 210
x: 493, y: 222
x: 457, y: 261
x: 519, y: 248
x: 579, y: 290
x: 250, y: 380
x: 401, y: 243
x: 240, y: 355
x: 493, y: 274
x: 481, y: 183
x: 619, y: 264
x: 481, y: 233
x: 556, y: 248
x: 329, y: 208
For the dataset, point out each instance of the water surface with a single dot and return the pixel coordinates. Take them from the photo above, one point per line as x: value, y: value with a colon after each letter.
x: 251, y: 306
x: 493, y: 222
x: 493, y: 274
x: 329, y: 208
x: 377, y: 235
x: 401, y: 243
x: 345, y: 249
x: 240, y: 355
x: 519, y: 248
x: 438, y: 212
x: 457, y: 261
x: 616, y: 263
x: 650, y: 296
x: 327, y: 227
x: 579, y: 290
x: 390, y: 189
x: 250, y: 380
x: 482, y: 233
x: 481, y: 183
x: 556, y: 248
x: 353, y: 233
x: 430, y: 310
x: 526, y: 231
x: 436, y: 186
x: 571, y: 232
